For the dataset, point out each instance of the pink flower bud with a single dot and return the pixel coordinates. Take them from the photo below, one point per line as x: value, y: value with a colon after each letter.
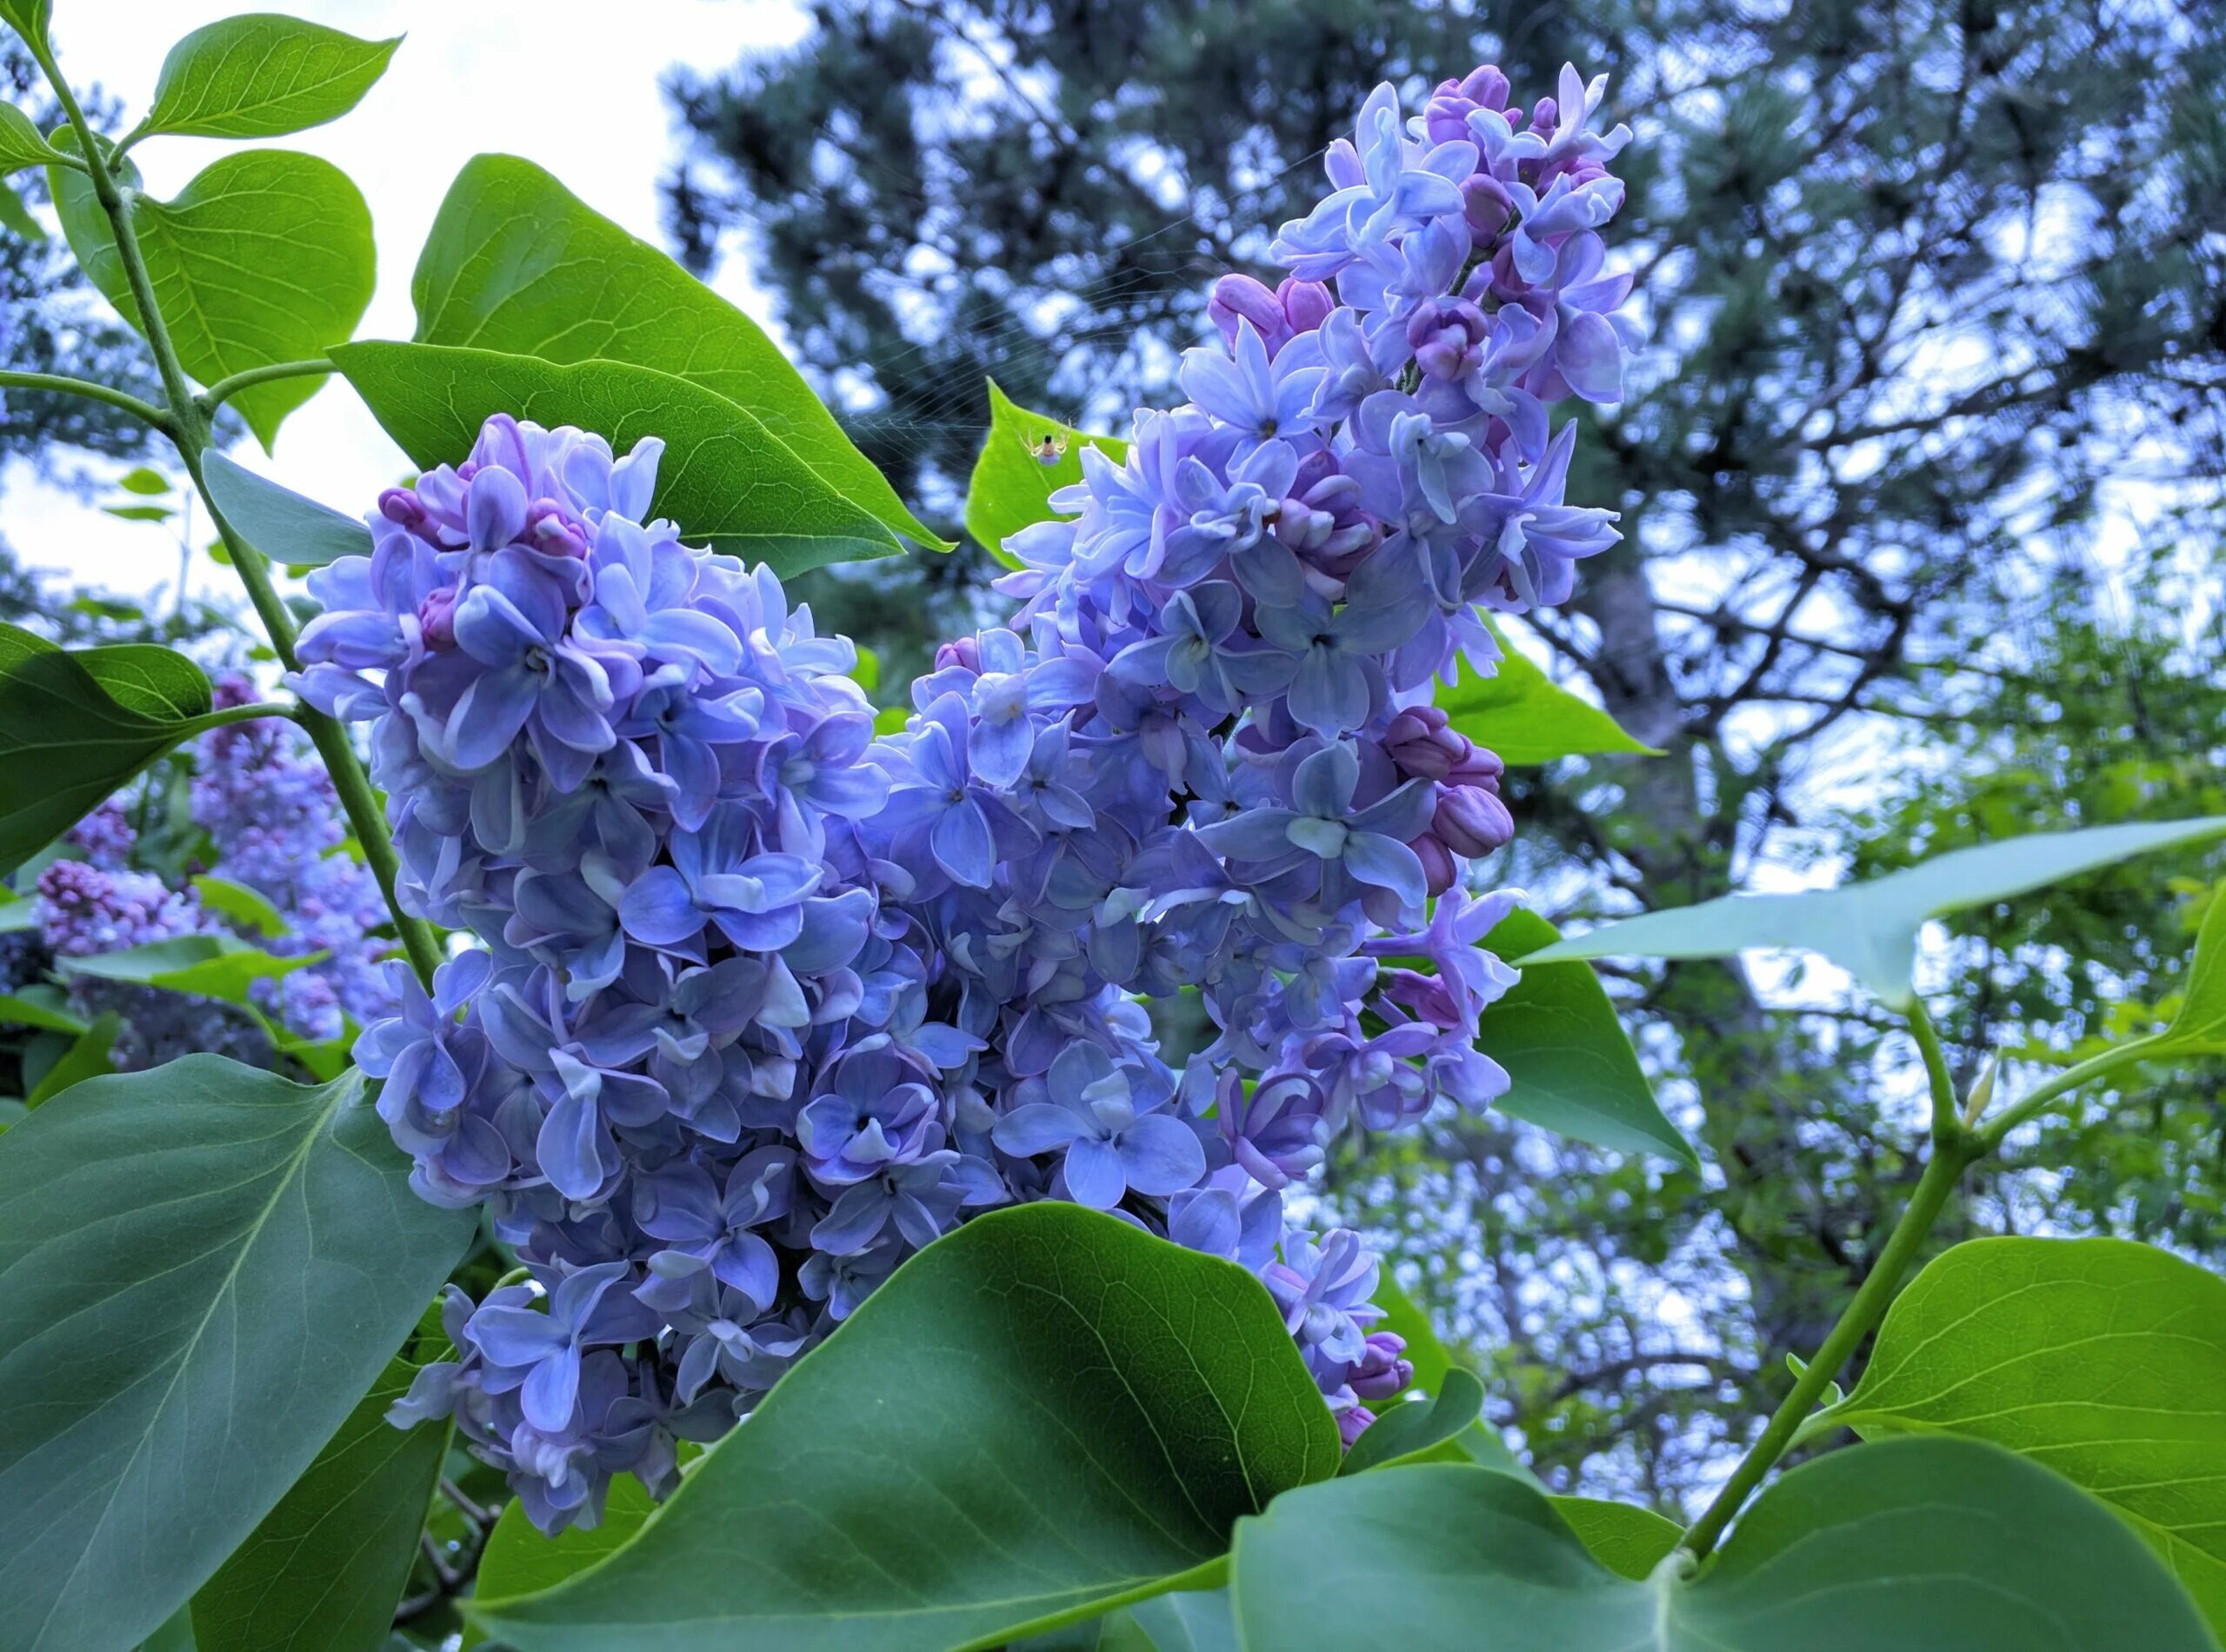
x: 1439, y: 873
x: 965, y: 653
x: 1236, y: 297
x: 1306, y: 305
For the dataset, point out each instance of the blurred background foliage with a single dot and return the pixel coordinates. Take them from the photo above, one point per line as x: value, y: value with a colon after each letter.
x: 1920, y: 479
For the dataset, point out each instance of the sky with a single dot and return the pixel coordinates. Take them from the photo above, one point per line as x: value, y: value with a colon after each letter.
x: 557, y: 80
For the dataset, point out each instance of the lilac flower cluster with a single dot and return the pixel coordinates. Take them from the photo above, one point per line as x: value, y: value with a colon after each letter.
x: 761, y: 1004
x: 277, y: 826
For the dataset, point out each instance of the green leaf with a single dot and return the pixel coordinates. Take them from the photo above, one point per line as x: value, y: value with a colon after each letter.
x: 201, y: 1269
x: 1041, y: 1415
x: 1408, y: 1429
x: 279, y: 522
x: 1932, y: 1543
x: 145, y: 483
x: 249, y: 907
x: 519, y: 1560
x: 1628, y: 1540
x: 2199, y: 1026
x: 209, y: 966
x: 723, y: 477
x: 1012, y: 483
x: 1870, y: 930
x: 266, y: 256
x: 75, y: 725
x: 518, y: 264
x: 1526, y: 718
x: 2104, y: 1360
x: 17, y: 913
x: 1569, y: 1066
x: 1186, y: 1620
x: 18, y: 217
x: 260, y: 76
x: 27, y: 18
x: 322, y: 1571
x: 140, y: 513
x: 20, y: 143
x: 40, y: 1006
x: 87, y: 1056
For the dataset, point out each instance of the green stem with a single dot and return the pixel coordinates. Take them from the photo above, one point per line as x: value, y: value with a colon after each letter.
x: 248, y: 713
x: 188, y: 428
x: 1933, y: 1190
x: 224, y: 389
x: 145, y: 412
x: 1947, y: 1116
x: 2050, y: 1090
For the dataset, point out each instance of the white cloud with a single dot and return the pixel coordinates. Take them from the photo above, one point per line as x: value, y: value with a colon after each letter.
x: 571, y: 84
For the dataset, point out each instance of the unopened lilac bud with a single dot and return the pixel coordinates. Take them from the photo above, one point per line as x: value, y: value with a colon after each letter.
x: 1306, y: 305
x: 1352, y: 1422
x: 1439, y: 872
x: 1419, y: 743
x: 1242, y: 298
x: 547, y: 529
x: 1487, y: 205
x: 1470, y: 820
x: 1486, y: 87
x: 1384, y: 1370
x: 436, y: 617
x: 403, y: 508
x: 965, y: 653
x: 1445, y: 334
x: 1477, y: 767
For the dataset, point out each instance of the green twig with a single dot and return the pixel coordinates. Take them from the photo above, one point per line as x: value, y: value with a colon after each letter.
x: 145, y: 412
x: 1947, y: 1114
x: 224, y: 389
x: 188, y: 428
x: 1861, y: 1317
x: 249, y: 713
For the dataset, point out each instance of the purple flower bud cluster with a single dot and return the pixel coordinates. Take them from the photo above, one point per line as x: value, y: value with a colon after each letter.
x: 762, y: 1004
x: 276, y: 826
x: 86, y: 909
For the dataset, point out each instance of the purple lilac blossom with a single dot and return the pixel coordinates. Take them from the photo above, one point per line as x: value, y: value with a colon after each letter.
x: 760, y: 1004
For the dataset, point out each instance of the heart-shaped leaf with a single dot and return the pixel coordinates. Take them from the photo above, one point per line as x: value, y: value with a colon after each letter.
x: 1570, y: 1067
x: 1081, y: 1412
x: 1930, y: 1542
x: 260, y: 76
x: 518, y: 264
x: 1026, y: 458
x: 75, y: 725
x: 279, y: 522
x: 201, y: 1269
x: 263, y: 257
x: 1870, y: 929
x: 1525, y: 717
x: 723, y: 478
x: 2102, y: 1359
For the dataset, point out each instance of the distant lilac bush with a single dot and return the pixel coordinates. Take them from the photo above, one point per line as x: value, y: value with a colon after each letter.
x: 761, y: 1003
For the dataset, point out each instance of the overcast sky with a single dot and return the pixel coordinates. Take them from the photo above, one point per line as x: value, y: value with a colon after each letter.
x: 571, y: 83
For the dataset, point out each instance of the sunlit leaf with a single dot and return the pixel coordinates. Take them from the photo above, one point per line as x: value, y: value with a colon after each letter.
x: 723, y: 477
x: 1870, y: 929
x: 251, y: 909
x: 518, y: 264
x: 1525, y: 717
x: 260, y: 76
x: 1406, y: 1429
x: 263, y: 257
x: 20, y: 143
x: 1025, y: 458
